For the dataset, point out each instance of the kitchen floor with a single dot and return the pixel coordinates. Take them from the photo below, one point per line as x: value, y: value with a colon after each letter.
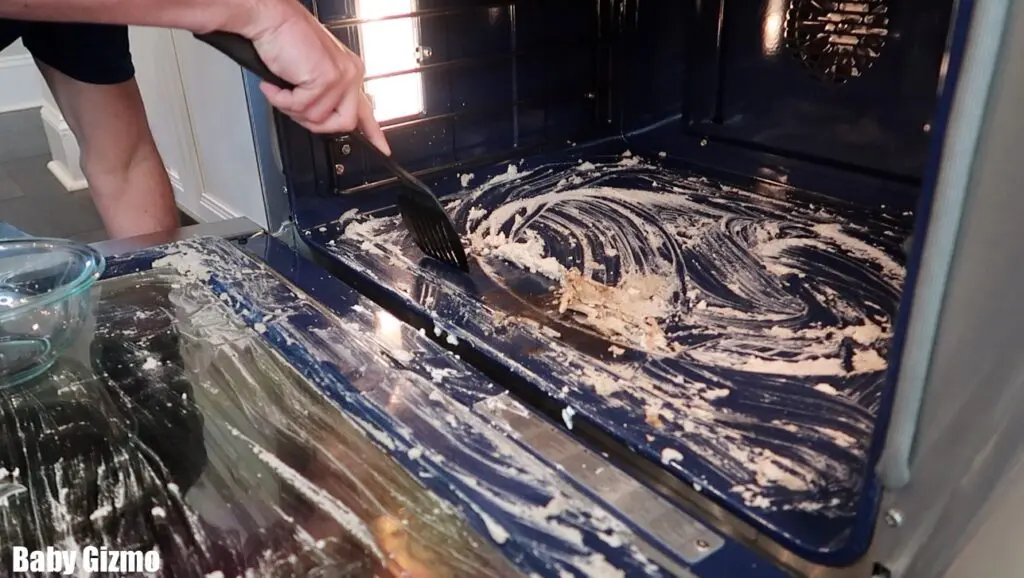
x: 31, y: 198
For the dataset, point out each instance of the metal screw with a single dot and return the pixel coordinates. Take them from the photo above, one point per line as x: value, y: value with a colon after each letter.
x: 894, y: 518
x: 423, y: 53
x: 702, y: 545
x: 339, y: 169
x: 704, y: 142
x: 928, y: 127
x: 346, y: 149
x: 590, y: 96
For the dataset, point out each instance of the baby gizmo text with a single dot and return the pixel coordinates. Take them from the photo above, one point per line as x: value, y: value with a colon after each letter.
x: 90, y: 559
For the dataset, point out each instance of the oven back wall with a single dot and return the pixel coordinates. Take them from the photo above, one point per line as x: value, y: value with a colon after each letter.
x: 844, y: 91
x: 851, y: 84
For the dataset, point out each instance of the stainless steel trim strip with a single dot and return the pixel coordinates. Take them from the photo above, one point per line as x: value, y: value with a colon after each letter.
x: 684, y: 535
x: 268, y: 153
x: 231, y: 228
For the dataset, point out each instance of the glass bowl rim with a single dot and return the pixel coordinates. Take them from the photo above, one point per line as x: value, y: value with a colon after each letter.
x: 95, y: 265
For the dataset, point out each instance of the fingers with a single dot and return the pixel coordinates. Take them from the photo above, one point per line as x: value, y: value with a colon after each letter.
x: 333, y: 125
x: 328, y: 78
x: 318, y: 101
x: 324, y: 108
x: 349, y: 106
x: 369, y: 126
x: 314, y: 104
x: 277, y: 96
x: 319, y: 122
x: 353, y: 112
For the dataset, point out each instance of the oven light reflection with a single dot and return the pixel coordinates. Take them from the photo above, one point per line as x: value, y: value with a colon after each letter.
x: 389, y: 46
x: 771, y: 33
x: 389, y: 330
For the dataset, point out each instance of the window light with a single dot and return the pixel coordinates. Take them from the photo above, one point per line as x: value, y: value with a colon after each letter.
x: 390, y: 46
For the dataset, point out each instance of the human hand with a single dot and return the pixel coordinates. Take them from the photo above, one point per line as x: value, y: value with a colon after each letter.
x: 328, y: 92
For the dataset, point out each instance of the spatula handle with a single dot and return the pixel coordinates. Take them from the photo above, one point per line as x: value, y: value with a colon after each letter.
x: 243, y: 52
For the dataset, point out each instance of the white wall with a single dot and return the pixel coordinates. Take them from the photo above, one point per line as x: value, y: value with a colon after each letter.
x: 159, y: 78
x: 214, y: 92
x: 195, y: 102
x: 20, y: 83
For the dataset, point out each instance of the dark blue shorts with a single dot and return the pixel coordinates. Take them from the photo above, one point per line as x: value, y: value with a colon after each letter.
x: 90, y: 53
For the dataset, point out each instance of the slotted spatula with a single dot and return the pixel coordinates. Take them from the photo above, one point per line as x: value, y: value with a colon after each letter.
x: 432, y: 230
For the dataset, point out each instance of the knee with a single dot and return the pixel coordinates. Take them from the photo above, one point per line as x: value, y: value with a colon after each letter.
x: 113, y: 158
x: 99, y: 166
x: 114, y: 136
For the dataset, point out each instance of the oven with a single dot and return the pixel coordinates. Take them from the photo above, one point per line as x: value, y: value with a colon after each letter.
x: 697, y: 231
x: 740, y: 304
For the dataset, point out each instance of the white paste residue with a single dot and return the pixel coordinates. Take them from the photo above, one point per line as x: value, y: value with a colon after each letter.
x: 188, y: 262
x: 669, y: 455
x: 567, y: 414
x: 686, y: 261
x: 101, y: 512
x: 326, y: 502
x: 826, y: 388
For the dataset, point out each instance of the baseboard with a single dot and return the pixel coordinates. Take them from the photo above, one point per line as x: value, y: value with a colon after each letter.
x: 192, y: 215
x: 176, y: 184
x: 63, y: 150
x: 210, y: 209
x: 67, y: 180
x: 21, y: 82
x: 217, y: 209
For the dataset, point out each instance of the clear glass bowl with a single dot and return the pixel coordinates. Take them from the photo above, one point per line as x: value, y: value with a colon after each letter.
x: 45, y: 300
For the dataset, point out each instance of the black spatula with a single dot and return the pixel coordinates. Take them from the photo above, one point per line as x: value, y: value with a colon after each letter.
x: 432, y: 230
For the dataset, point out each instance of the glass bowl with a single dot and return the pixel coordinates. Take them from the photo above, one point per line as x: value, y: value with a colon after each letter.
x: 45, y: 300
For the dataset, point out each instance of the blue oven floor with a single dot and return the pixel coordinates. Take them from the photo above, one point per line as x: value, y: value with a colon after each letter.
x: 738, y: 337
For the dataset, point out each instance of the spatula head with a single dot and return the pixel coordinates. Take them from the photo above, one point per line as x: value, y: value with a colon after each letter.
x: 432, y: 230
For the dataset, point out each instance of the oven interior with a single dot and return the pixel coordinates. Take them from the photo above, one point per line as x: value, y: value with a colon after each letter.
x: 687, y: 222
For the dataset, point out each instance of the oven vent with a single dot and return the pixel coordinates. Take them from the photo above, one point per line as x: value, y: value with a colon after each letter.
x: 837, y: 41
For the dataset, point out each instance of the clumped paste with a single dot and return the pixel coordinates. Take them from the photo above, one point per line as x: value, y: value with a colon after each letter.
x: 744, y: 306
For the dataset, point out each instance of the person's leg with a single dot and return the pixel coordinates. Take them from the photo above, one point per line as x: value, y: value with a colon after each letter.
x: 119, y: 158
x: 89, y: 70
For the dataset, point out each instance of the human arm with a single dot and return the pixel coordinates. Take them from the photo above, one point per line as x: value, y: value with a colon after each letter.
x: 327, y: 76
